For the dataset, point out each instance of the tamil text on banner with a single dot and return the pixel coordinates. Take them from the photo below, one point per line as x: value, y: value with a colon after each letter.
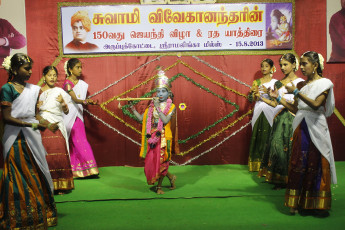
x: 161, y: 28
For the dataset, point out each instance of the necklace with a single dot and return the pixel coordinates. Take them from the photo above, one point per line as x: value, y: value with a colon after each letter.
x: 19, y: 85
x: 74, y: 81
x: 265, y: 80
x: 312, y: 80
x: 152, y: 140
x: 288, y: 80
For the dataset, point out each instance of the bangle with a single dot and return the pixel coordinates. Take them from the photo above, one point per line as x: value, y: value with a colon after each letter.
x: 159, y: 110
x: 34, y: 126
x: 295, y: 92
x: 85, y: 102
x: 279, y: 98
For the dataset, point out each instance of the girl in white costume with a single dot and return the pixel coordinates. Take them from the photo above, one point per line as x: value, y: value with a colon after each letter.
x: 312, y: 168
x: 262, y: 116
x: 26, y: 185
x: 53, y: 103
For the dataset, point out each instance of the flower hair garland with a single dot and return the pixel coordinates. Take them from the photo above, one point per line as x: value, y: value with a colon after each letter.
x: 65, y: 68
x: 154, y: 139
x: 7, y: 63
x: 274, y: 69
x: 321, y: 60
x: 297, y: 64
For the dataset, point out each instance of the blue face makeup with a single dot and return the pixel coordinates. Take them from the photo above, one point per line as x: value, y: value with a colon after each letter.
x: 162, y: 94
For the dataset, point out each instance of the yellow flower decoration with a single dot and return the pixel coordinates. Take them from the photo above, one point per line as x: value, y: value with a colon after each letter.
x: 182, y: 106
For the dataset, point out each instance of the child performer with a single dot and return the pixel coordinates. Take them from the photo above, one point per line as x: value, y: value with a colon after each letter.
x: 82, y: 160
x: 312, y: 168
x: 157, y: 135
x: 275, y: 162
x: 26, y: 185
x: 52, y: 104
x: 262, y: 116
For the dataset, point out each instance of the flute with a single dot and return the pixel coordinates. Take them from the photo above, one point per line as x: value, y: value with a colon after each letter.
x: 134, y: 98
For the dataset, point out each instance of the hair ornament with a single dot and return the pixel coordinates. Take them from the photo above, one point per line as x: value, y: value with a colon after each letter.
x: 7, y: 63
x: 274, y: 69
x: 66, y: 68
x: 297, y: 63
x: 321, y: 61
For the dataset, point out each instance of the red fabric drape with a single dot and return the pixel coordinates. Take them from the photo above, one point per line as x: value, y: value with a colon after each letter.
x: 203, y: 108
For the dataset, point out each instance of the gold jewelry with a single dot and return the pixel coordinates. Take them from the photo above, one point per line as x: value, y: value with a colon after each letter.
x: 19, y: 85
x: 73, y: 81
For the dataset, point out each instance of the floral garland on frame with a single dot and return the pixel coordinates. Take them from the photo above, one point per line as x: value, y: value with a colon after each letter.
x: 125, y: 108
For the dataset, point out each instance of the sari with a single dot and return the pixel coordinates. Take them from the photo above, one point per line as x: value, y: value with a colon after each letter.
x: 56, y: 144
x: 261, y: 127
x: 26, y: 185
x: 312, y: 168
x: 275, y: 161
x: 82, y: 160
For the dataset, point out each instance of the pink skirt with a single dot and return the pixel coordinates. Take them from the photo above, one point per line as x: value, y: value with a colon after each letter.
x: 155, y: 166
x: 82, y: 160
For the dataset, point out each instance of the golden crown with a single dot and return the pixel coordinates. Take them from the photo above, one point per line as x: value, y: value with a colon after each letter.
x: 162, y: 81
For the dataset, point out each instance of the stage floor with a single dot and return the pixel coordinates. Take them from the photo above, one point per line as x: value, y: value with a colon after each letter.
x: 206, y: 197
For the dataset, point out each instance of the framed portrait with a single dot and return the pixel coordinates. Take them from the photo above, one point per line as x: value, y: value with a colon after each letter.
x: 178, y: 1
x: 279, y: 26
x: 151, y: 2
x: 335, y: 31
x: 203, y: 1
x: 12, y: 28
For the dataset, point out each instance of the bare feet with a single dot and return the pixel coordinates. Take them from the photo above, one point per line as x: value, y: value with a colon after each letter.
x: 278, y: 187
x: 159, y: 190
x: 172, y: 182
x: 293, y: 211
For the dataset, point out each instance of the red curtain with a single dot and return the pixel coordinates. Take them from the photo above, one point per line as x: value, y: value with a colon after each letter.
x: 215, y: 102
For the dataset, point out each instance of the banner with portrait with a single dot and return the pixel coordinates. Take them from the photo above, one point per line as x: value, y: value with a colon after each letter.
x: 12, y: 28
x: 102, y: 29
x: 335, y: 31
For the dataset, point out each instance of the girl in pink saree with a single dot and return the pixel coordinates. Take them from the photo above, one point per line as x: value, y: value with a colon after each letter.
x: 82, y: 160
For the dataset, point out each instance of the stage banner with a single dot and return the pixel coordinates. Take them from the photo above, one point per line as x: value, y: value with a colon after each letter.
x: 97, y: 29
x: 12, y: 28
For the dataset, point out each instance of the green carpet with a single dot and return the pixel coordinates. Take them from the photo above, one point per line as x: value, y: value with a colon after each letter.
x: 206, y: 197
x: 192, y: 181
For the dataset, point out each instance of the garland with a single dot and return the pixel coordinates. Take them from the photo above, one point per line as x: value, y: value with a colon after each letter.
x: 217, y: 133
x: 220, y: 71
x: 126, y: 111
x: 128, y: 75
x: 152, y: 140
x: 110, y: 127
x: 125, y: 108
x: 215, y: 123
x: 215, y: 146
x: 216, y: 82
